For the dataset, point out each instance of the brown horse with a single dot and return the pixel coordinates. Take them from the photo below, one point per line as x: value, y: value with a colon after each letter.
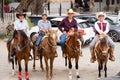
x: 102, y: 50
x: 48, y: 50
x: 21, y: 44
x: 73, y: 51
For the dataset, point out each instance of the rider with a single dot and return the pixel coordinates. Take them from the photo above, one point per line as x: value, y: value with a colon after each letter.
x: 65, y: 25
x: 44, y: 25
x: 101, y: 27
x: 19, y: 24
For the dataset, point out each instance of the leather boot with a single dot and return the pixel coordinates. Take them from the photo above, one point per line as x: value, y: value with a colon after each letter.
x: 112, y: 58
x: 93, y: 58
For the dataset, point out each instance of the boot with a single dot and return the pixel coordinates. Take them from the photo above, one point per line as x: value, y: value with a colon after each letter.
x: 112, y: 58
x: 93, y: 58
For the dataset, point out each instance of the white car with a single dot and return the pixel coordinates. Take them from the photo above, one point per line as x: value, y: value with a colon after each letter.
x: 82, y: 24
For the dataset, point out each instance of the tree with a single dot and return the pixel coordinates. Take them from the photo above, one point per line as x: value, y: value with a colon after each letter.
x: 28, y: 5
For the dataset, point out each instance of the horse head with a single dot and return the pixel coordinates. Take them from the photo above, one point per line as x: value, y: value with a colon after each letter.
x: 52, y: 36
x: 104, y: 45
x: 19, y: 38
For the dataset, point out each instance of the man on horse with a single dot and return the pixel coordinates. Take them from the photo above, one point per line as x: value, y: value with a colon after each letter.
x: 65, y: 26
x: 101, y: 27
x: 44, y: 25
x: 19, y: 24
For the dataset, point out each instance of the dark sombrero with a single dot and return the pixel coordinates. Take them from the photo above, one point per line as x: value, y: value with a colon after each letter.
x: 20, y: 14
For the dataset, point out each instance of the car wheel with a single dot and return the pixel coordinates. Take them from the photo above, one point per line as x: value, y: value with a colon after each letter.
x: 114, y: 36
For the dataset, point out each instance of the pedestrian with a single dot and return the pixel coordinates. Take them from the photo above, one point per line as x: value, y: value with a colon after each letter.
x: 101, y: 27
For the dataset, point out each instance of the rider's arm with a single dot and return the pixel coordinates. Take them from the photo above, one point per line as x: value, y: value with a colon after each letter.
x: 40, y: 25
x: 75, y: 26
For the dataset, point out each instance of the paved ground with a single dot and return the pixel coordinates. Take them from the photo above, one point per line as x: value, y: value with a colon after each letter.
x: 87, y: 70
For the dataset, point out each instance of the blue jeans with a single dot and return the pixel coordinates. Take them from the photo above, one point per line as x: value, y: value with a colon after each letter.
x: 62, y: 41
x: 92, y: 44
x: 39, y: 39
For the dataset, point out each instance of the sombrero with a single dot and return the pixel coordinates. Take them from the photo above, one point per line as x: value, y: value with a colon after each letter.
x: 100, y: 14
x: 20, y: 14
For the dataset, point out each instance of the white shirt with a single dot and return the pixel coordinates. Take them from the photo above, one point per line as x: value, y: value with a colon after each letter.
x: 44, y: 25
x: 21, y: 25
x: 101, y: 30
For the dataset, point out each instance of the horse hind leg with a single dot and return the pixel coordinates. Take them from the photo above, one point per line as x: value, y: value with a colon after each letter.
x: 13, y: 68
x: 99, y: 69
x: 41, y: 64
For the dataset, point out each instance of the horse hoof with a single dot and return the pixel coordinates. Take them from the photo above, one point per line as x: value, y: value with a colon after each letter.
x: 27, y: 78
x: 13, y: 72
x: 70, y: 77
x: 78, y: 76
x: 20, y: 79
x: 98, y: 78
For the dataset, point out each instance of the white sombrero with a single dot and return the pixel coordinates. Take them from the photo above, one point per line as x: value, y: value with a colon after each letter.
x: 99, y: 14
x: 70, y: 11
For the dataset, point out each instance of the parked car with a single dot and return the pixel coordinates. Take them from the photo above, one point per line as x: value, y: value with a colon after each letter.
x: 114, y: 32
x: 82, y: 24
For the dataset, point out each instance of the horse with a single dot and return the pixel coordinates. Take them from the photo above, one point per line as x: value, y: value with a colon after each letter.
x: 101, y: 50
x: 48, y: 50
x: 22, y: 47
x: 72, y: 49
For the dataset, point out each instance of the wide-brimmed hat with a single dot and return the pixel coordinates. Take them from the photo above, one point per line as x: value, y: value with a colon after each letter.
x: 44, y: 13
x: 100, y: 14
x: 20, y: 14
x: 70, y: 11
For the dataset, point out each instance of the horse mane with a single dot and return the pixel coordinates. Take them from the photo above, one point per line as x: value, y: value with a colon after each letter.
x: 21, y: 32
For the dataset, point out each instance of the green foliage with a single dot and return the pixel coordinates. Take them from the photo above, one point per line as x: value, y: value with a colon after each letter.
x: 30, y: 23
x: 6, y: 2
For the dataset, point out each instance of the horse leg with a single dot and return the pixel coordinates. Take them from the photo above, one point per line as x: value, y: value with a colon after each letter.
x: 47, y: 68
x: 77, y: 70
x: 66, y: 61
x: 13, y: 68
x: 16, y: 62
x: 41, y: 64
x: 20, y: 69
x: 34, y: 59
x: 70, y: 67
x: 101, y: 64
x: 26, y: 69
x: 105, y: 69
x: 51, y: 68
x: 99, y: 68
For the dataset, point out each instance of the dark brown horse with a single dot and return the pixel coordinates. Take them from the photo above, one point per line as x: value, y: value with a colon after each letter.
x: 22, y: 47
x: 73, y: 48
x: 102, y: 50
x: 48, y: 50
